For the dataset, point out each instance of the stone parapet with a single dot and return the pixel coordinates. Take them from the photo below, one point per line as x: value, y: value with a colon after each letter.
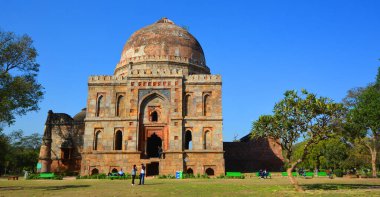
x: 203, y: 78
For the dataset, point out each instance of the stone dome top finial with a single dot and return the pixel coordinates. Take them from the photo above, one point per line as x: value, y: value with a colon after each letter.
x: 165, y: 20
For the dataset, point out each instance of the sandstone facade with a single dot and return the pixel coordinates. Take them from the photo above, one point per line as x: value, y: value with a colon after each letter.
x: 161, y: 95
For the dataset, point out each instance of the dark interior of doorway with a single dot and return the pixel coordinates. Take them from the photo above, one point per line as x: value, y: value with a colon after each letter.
x: 152, y: 169
x: 153, y: 143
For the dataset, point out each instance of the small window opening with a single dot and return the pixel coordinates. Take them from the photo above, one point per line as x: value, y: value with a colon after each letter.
x: 154, y: 116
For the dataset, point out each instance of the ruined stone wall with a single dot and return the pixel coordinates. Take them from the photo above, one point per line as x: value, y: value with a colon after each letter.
x: 61, y: 134
x: 251, y: 156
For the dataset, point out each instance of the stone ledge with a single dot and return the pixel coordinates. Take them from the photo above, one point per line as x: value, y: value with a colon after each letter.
x: 112, y: 152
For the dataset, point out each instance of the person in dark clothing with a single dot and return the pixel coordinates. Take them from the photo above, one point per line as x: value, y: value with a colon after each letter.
x: 159, y: 152
x: 133, y: 173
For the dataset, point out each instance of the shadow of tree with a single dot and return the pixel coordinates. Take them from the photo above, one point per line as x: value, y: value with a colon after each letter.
x: 54, y: 187
x: 339, y: 186
x: 60, y: 187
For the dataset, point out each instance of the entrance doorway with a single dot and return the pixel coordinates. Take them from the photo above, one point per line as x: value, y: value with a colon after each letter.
x: 153, y: 143
x: 152, y: 169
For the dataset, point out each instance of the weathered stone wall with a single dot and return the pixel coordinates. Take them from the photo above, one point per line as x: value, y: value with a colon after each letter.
x: 62, y: 144
x: 168, y: 86
x: 251, y: 156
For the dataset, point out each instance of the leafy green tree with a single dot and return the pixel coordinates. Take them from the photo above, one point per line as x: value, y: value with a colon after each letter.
x: 19, y: 90
x: 23, y: 151
x: 358, y: 157
x: 330, y: 153
x: 363, y: 118
x: 296, y: 117
x: 4, y: 149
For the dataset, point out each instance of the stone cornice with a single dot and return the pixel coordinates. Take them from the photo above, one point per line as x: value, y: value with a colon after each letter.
x: 203, y: 118
x: 97, y: 119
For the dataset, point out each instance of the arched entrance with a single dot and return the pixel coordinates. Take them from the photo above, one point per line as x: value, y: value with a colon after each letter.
x: 210, y: 172
x: 153, y: 143
x: 153, y: 124
x: 94, y: 171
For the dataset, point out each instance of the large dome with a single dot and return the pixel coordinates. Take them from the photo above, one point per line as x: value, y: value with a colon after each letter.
x: 162, y: 41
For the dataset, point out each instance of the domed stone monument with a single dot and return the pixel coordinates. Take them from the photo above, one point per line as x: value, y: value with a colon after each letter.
x: 161, y: 108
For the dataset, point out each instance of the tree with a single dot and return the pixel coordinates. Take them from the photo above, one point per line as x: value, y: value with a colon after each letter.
x: 330, y: 153
x: 19, y: 90
x: 23, y: 151
x: 363, y: 119
x: 4, y: 149
x: 299, y: 116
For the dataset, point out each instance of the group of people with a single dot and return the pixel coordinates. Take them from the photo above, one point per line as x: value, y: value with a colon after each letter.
x: 133, y: 174
x: 120, y: 173
x: 142, y: 174
x: 263, y: 173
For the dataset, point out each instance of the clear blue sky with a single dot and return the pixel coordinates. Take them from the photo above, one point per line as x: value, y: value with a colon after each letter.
x: 261, y: 48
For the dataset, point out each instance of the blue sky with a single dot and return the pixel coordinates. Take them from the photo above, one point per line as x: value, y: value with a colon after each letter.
x: 261, y: 48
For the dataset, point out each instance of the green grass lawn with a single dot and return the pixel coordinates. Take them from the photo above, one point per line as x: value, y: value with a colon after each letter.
x: 278, y: 186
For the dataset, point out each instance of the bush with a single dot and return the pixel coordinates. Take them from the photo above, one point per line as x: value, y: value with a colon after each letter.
x: 365, y: 173
x: 338, y: 173
x: 169, y: 176
x: 104, y: 176
x: 32, y: 176
x: 37, y: 176
x: 205, y: 176
x: 188, y: 176
x: 58, y: 177
x: 221, y: 176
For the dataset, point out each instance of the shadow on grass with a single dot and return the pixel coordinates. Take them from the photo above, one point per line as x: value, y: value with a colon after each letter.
x: 329, y: 186
x: 152, y: 184
x: 56, y: 187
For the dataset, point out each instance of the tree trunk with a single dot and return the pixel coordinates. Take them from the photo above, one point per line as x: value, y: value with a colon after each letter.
x: 292, y: 179
x: 373, y: 162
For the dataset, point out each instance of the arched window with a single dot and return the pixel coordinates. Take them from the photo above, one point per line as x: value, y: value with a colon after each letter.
x: 94, y: 171
x: 118, y: 140
x: 97, y: 138
x: 188, y: 140
x: 187, y: 105
x: 210, y: 172
x: 154, y: 116
x: 120, y: 106
x: 99, y: 106
x: 206, y: 105
x: 207, y: 140
x: 189, y: 171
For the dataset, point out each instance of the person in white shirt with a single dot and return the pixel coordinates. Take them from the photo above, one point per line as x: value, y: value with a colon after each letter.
x: 142, y: 174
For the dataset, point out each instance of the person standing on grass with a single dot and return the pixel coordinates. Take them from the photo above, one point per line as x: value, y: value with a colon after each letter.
x: 133, y: 173
x: 142, y: 174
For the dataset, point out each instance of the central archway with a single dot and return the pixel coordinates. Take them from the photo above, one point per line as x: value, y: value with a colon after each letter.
x: 154, y: 113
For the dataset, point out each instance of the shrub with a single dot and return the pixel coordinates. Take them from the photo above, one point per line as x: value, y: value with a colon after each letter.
x: 170, y: 176
x: 205, y: 176
x: 188, y: 176
x: 32, y: 176
x: 338, y: 173
x: 364, y: 173
x: 221, y: 176
x: 58, y: 177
